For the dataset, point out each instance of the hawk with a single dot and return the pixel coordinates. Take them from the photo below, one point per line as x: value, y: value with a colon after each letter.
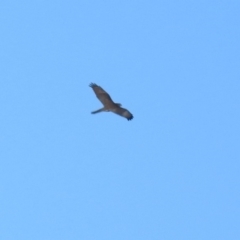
x: 108, y: 104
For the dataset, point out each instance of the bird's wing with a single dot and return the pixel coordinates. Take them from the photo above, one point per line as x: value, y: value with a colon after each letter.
x: 123, y: 112
x: 101, y: 94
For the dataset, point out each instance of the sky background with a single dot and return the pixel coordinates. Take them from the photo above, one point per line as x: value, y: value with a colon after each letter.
x: 170, y: 173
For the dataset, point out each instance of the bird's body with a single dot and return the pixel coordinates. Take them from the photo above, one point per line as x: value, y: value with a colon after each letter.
x: 108, y: 104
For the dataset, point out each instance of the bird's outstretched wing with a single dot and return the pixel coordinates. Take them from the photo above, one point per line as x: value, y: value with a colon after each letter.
x: 101, y: 94
x: 123, y: 112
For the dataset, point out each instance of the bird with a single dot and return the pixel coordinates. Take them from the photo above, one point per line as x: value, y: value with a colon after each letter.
x: 108, y: 104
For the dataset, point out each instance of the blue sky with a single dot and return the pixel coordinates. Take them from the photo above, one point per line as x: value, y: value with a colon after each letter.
x: 170, y: 173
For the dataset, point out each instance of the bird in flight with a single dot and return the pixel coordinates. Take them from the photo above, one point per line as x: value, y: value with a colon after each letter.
x: 108, y: 104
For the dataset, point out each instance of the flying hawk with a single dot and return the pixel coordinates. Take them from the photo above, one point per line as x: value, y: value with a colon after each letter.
x: 108, y: 104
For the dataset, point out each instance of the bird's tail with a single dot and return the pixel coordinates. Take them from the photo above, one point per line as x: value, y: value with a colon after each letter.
x: 98, y: 111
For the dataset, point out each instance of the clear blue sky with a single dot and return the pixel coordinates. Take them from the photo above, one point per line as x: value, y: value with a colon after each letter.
x: 172, y: 173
